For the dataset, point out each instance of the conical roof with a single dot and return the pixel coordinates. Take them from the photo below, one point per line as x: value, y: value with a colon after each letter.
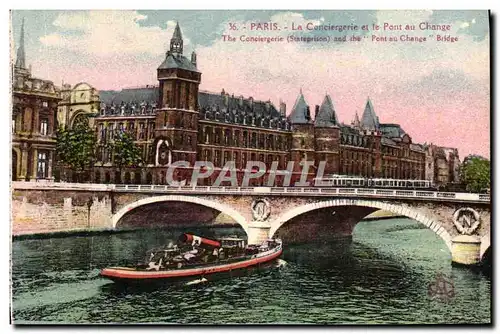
x: 299, y: 111
x: 326, y: 116
x: 369, y: 120
x: 177, y: 32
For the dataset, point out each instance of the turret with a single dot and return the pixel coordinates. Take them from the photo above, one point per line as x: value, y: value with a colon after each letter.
x: 179, y: 80
x: 327, y: 136
x: 302, y: 133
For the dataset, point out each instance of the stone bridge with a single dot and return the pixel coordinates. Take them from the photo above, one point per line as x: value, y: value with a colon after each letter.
x: 461, y: 220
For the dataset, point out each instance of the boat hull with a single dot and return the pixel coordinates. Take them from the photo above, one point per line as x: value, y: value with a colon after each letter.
x: 126, y: 275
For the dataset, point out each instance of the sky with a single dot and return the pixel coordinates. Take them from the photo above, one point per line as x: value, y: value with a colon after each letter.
x: 437, y: 91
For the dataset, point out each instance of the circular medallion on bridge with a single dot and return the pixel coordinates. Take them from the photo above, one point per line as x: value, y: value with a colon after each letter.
x: 261, y: 209
x: 466, y: 220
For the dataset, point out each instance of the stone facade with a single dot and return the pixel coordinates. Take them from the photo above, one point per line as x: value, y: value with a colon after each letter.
x: 34, y: 122
x: 442, y: 164
x: 79, y: 101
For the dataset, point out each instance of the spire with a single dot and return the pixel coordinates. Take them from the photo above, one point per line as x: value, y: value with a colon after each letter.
x: 176, y: 41
x: 21, y: 57
x: 369, y: 120
x: 326, y: 116
x: 300, y: 112
x: 356, y: 122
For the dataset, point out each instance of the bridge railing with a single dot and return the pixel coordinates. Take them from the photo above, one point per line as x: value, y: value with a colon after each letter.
x: 398, y: 193
x: 313, y: 191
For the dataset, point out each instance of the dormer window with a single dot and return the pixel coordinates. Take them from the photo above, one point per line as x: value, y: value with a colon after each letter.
x: 45, y: 104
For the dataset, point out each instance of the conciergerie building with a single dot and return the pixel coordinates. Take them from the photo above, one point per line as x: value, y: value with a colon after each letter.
x: 175, y: 121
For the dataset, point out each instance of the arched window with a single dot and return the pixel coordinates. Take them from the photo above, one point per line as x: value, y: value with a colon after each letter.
x: 118, y: 178
x: 127, y: 178
x: 97, y: 176
x: 81, y: 120
x: 137, y: 177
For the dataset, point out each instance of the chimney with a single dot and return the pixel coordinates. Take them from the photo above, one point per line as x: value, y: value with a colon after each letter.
x: 193, y: 58
x: 308, y: 113
x: 282, y: 108
x: 268, y: 105
x: 251, y: 102
x: 240, y: 101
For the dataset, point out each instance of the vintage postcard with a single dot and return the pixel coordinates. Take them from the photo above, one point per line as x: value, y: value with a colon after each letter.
x: 250, y: 167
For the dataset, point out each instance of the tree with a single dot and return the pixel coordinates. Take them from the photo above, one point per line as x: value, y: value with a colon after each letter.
x: 126, y: 152
x: 75, y: 147
x: 475, y: 173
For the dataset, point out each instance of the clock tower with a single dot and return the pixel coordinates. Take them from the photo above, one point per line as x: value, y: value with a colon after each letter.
x: 177, y: 115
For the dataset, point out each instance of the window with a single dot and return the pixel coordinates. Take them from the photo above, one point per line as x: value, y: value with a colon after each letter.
x: 102, y: 132
x: 45, y: 104
x: 245, y: 139
x: 243, y: 160
x: 217, y: 158
x: 151, y: 130
x: 42, y: 165
x: 236, y: 138
x: 13, y: 125
x: 142, y: 132
x: 44, y: 126
x: 189, y: 140
x: 110, y: 131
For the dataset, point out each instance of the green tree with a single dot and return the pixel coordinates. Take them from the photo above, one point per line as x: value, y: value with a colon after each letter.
x: 75, y: 147
x: 475, y: 173
x: 126, y: 152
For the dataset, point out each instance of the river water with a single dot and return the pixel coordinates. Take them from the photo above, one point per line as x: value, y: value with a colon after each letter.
x: 381, y: 277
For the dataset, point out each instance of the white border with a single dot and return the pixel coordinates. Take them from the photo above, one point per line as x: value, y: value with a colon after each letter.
x: 148, y: 4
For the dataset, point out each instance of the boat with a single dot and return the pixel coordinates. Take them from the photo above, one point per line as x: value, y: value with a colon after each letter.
x: 195, y: 258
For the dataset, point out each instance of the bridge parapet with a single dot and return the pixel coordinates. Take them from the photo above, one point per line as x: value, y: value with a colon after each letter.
x: 286, y: 191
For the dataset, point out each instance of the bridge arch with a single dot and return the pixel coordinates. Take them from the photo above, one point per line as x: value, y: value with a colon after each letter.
x: 186, y: 199
x: 398, y: 209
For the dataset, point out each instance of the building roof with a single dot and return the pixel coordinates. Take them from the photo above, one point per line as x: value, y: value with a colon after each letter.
x: 219, y: 107
x: 300, y: 112
x: 417, y: 147
x: 129, y: 95
x: 177, y: 60
x: 326, y: 116
x: 388, y: 141
x: 369, y: 120
x: 392, y: 130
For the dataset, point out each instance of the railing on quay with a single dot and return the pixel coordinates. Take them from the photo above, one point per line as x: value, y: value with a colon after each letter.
x: 313, y: 191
